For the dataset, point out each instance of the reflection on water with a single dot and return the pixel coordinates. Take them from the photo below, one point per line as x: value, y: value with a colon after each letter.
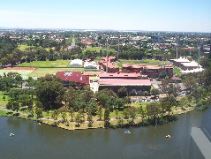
x: 44, y: 142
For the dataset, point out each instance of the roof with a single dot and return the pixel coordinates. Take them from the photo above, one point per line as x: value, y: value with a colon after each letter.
x: 125, y: 82
x: 191, y: 64
x: 76, y: 77
x: 119, y: 75
x: 78, y: 62
x: 146, y: 66
x: 132, y: 66
x: 181, y: 60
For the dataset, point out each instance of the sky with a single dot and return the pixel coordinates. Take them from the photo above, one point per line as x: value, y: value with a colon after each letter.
x: 145, y: 15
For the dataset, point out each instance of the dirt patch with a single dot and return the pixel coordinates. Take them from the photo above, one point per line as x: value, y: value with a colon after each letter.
x: 20, y: 68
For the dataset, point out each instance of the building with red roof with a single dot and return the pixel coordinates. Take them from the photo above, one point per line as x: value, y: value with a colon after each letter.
x: 119, y: 75
x: 109, y: 63
x: 133, y: 86
x: 152, y: 71
x: 73, y: 78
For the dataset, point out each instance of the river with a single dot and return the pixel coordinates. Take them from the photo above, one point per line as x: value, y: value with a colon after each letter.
x: 33, y: 141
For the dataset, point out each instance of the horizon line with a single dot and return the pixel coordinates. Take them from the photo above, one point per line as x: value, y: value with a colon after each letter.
x: 84, y: 29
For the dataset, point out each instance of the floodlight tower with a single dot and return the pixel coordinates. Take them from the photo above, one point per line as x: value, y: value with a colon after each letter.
x: 117, y: 55
x: 177, y: 52
x: 107, y: 54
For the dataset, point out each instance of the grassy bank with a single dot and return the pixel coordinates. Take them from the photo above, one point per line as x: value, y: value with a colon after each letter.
x: 54, y: 64
x: 146, y: 61
x: 69, y: 123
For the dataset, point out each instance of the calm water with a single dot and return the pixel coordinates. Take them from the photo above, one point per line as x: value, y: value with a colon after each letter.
x: 33, y: 141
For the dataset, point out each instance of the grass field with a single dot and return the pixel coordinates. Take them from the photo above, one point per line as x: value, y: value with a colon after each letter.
x: 146, y: 61
x: 40, y: 72
x: 57, y: 63
x: 27, y: 48
x: 98, y: 49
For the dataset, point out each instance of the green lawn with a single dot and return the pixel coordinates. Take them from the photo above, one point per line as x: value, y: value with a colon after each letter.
x: 40, y: 72
x: 98, y: 49
x: 57, y: 63
x: 146, y: 61
x: 24, y: 48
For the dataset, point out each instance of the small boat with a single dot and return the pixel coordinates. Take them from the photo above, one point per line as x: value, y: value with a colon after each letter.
x: 168, y: 136
x: 11, y: 134
x: 127, y: 132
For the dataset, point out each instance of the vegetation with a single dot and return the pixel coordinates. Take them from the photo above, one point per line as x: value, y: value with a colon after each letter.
x: 50, y: 64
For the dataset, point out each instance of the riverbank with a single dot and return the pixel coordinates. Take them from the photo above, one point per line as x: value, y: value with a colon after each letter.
x: 95, y: 124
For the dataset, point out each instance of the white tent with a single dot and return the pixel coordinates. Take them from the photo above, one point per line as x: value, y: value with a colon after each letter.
x: 76, y: 63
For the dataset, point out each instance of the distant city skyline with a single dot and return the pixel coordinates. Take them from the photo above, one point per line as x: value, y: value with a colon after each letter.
x: 143, y: 15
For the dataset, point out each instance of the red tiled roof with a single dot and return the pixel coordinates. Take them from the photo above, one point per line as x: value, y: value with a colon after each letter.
x: 125, y: 82
x: 76, y: 77
x: 120, y: 75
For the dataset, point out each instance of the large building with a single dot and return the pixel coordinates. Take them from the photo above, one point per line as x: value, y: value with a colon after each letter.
x: 187, y: 66
x: 133, y: 82
x: 108, y: 64
x: 133, y: 86
x: 73, y: 78
x: 152, y: 71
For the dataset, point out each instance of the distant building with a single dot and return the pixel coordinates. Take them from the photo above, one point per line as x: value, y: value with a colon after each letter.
x: 158, y: 71
x: 187, y: 66
x: 152, y: 71
x: 108, y: 64
x: 91, y: 65
x: 87, y: 41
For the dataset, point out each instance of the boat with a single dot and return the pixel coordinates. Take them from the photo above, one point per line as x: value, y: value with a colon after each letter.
x: 12, y: 134
x: 127, y: 132
x: 168, y: 136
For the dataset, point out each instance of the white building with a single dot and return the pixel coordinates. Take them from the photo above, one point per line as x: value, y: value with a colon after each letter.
x: 91, y: 65
x: 76, y: 63
x: 187, y: 66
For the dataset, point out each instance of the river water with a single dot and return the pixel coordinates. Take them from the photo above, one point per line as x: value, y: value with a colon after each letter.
x: 33, y: 141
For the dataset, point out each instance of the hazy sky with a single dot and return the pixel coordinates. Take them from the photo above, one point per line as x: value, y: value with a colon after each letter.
x: 149, y: 15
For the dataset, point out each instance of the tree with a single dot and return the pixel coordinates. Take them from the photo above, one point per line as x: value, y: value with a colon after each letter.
x: 64, y: 117
x: 105, y: 96
x: 19, y: 80
x: 92, y: 107
x: 38, y: 112
x: 107, y: 118
x: 132, y: 114
x: 153, y: 111
x: 49, y: 92
x: 89, y: 118
x: 142, y: 112
x: 100, y: 113
x: 78, y: 119
x: 122, y: 92
x: 167, y: 103
x: 71, y: 114
x: 55, y: 115
x: 13, y: 104
x: 154, y: 92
